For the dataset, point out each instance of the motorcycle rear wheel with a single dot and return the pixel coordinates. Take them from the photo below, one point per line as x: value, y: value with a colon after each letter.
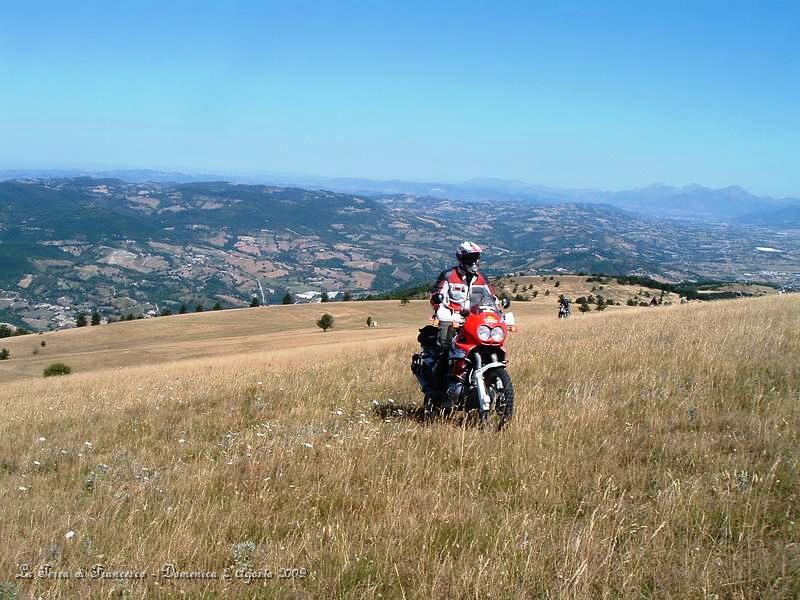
x: 499, y: 387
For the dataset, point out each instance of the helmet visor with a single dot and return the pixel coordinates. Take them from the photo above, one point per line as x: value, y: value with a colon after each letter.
x: 470, y: 258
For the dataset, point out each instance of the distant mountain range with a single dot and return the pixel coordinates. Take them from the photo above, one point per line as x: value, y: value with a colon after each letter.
x: 694, y: 202
x: 88, y: 244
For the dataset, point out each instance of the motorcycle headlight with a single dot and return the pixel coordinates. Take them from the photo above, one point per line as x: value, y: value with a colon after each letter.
x: 484, y: 333
x: 498, y: 335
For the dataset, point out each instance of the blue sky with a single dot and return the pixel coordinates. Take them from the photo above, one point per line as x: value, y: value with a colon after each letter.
x: 577, y: 94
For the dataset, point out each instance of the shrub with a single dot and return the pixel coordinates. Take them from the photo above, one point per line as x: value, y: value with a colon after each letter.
x: 632, y: 302
x: 347, y: 297
x: 80, y: 321
x: 217, y: 306
x: 584, y: 308
x: 326, y: 298
x: 182, y: 310
x: 198, y: 308
x: 5, y: 354
x: 43, y: 344
x: 403, y: 301
x: 325, y: 322
x: 57, y: 369
x: 255, y: 302
x: 520, y: 298
x: 287, y: 299
x: 557, y: 283
x: 95, y: 318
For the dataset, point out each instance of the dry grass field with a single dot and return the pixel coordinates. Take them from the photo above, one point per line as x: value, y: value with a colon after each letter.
x: 654, y: 453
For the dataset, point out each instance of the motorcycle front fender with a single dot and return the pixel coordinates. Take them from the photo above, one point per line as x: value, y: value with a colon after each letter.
x: 477, y: 378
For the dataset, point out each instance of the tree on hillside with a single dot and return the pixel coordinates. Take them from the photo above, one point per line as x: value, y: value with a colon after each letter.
x: 80, y: 321
x: 325, y: 322
x: 95, y: 318
x: 255, y: 302
x: 217, y: 306
x: 584, y: 308
x: 535, y: 293
x: 6, y: 331
x: 557, y: 283
x: 182, y: 310
x: 325, y: 297
x: 404, y: 300
x: 287, y: 299
x: 166, y: 312
x: 5, y: 354
x: 198, y: 308
x: 347, y: 297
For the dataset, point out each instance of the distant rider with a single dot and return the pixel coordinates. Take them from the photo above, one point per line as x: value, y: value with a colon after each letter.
x: 563, y: 307
x: 450, y: 294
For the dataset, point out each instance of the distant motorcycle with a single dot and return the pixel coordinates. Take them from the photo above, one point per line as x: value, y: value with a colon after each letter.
x: 481, y: 336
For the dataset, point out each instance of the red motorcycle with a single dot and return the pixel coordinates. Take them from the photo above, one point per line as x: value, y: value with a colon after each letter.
x: 478, y: 339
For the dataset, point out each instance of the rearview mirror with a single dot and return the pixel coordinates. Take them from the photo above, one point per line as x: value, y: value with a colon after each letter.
x: 437, y: 298
x: 505, y: 303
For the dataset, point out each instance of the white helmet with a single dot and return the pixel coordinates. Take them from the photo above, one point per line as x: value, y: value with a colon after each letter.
x: 468, y: 256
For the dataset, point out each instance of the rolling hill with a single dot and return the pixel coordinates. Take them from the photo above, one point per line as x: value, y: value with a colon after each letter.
x: 84, y: 244
x: 286, y: 330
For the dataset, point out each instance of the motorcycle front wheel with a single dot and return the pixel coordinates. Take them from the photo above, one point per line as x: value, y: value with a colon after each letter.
x: 501, y: 391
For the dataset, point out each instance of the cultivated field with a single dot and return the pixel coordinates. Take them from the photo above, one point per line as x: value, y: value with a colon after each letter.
x: 654, y: 453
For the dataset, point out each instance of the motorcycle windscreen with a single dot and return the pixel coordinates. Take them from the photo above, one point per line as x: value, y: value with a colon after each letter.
x: 481, y: 297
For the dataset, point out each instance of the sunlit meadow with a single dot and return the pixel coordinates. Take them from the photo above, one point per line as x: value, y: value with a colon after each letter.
x: 654, y: 453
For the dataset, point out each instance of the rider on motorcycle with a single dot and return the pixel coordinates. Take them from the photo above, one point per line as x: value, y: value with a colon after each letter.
x: 563, y: 305
x: 451, y: 293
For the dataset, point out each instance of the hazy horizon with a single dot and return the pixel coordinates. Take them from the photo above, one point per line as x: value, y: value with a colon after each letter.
x: 267, y: 177
x: 575, y: 96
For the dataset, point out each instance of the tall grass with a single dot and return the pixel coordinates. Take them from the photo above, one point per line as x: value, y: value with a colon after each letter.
x: 653, y: 453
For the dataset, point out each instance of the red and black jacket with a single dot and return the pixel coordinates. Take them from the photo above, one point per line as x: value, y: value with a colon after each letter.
x: 455, y: 286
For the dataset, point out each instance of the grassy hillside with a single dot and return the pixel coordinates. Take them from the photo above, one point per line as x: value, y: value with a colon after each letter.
x: 654, y: 453
x: 230, y: 332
